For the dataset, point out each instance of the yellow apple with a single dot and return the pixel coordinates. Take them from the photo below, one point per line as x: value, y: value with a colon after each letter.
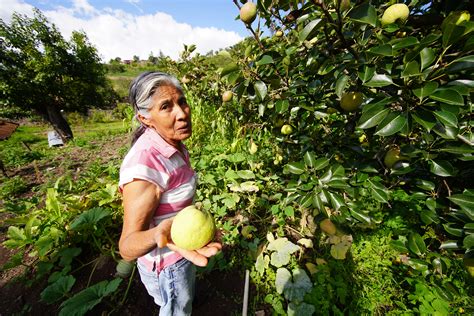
x: 248, y: 12
x: 192, y: 229
x: 227, y: 96
x: 398, y: 11
x: 392, y: 156
x: 286, y: 129
x: 350, y: 101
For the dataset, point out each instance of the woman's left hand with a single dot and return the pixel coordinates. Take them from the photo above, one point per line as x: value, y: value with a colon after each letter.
x: 198, y: 256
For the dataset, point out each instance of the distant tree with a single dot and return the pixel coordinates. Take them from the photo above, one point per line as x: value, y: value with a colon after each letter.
x: 152, y: 60
x: 41, y: 71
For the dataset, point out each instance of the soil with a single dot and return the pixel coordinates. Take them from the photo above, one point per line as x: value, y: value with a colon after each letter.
x: 218, y: 293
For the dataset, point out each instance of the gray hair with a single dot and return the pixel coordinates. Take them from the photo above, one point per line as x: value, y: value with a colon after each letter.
x: 145, y: 85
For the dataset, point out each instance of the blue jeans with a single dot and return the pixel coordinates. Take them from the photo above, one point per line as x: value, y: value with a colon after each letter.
x: 173, y: 288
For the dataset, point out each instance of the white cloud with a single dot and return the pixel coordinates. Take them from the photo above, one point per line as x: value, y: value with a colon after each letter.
x: 116, y: 33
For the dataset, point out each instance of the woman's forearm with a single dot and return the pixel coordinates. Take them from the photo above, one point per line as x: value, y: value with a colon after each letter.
x: 137, y: 244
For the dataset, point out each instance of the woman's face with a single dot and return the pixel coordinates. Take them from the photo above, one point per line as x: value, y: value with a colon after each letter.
x: 170, y: 115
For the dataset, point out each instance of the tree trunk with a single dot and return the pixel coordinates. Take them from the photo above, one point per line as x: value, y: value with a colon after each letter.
x: 55, y: 118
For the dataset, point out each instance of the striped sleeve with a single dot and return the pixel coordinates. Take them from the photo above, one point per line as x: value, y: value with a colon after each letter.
x: 145, y: 165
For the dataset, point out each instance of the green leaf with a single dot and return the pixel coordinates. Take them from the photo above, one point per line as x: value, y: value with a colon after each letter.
x: 86, y: 299
x: 429, y: 216
x: 458, y: 150
x: 336, y: 199
x: 450, y: 244
x: 229, y: 69
x: 373, y: 117
x: 279, y: 259
x: 294, y: 168
x: 56, y: 291
x: 416, y: 244
x: 392, y: 124
x: 309, y: 159
x: 384, y: 50
x: 411, y: 69
x: 89, y: 218
x: 282, y: 279
x: 283, y: 245
x: 399, y: 246
x: 427, y: 57
x: 321, y: 163
x: 379, y: 193
x: 366, y: 74
x: 246, y: 174
x: 308, y: 29
x: 361, y: 216
x: 341, y: 84
x: 461, y: 64
x: 379, y: 80
x: 364, y: 13
x: 301, y: 309
x: 265, y: 60
x: 260, y: 89
x: 465, y: 201
x: 424, y: 118
x: 442, y: 168
x: 449, y: 96
x: 426, y: 90
x: 404, y: 43
x: 447, y: 118
x: 317, y: 203
x: 468, y: 241
x: 296, y: 290
x: 452, y: 229
x: 262, y: 263
x: 67, y: 255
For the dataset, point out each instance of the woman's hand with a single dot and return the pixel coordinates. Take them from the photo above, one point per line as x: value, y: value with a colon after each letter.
x: 198, y: 257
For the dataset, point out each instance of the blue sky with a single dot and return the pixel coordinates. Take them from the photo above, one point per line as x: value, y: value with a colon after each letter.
x: 124, y: 28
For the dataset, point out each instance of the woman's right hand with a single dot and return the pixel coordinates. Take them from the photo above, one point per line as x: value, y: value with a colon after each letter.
x: 199, y: 257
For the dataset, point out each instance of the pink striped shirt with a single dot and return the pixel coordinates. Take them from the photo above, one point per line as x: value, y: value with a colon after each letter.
x: 152, y: 159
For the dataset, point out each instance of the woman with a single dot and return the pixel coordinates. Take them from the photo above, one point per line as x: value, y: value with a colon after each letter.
x: 157, y: 181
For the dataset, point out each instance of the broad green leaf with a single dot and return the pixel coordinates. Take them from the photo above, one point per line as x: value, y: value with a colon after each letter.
x: 339, y: 250
x: 445, y: 131
x: 57, y: 290
x: 317, y: 203
x: 246, y: 174
x: 296, y: 290
x: 426, y: 90
x: 373, y: 117
x: 307, y: 200
x: 265, y: 60
x: 425, y: 119
x: 283, y: 245
x: 260, y: 89
x: 399, y: 246
x: 449, y: 96
x: 392, y: 124
x: 279, y: 259
x: 229, y: 69
x: 44, y: 244
x: 366, y: 74
x: 309, y: 159
x: 427, y: 57
x: 282, y: 279
x: 416, y: 244
x: 452, y: 33
x: 262, y: 263
x: 16, y: 233
x: 361, y: 216
x: 85, y: 300
x: 341, y: 84
x: 384, y: 50
x: 321, y: 163
x: 442, y: 168
x: 447, y: 118
x: 453, y: 229
x: 428, y: 217
x: 301, y: 309
x: 379, y: 194
x: 418, y: 265
x: 379, y: 80
x: 337, y: 201
x: 465, y: 63
x: 450, y: 244
x: 308, y: 29
x: 463, y: 200
x: 52, y: 203
x: 425, y: 185
x: 67, y: 255
x: 458, y: 150
x: 89, y: 218
x: 411, y: 69
x: 364, y: 13
x: 294, y: 168
x: 405, y: 42
x: 468, y: 241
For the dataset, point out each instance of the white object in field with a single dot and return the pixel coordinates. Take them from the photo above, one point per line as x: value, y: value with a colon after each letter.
x: 246, y: 294
x: 54, y: 139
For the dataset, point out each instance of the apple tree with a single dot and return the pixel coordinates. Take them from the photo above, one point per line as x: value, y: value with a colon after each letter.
x: 44, y: 73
